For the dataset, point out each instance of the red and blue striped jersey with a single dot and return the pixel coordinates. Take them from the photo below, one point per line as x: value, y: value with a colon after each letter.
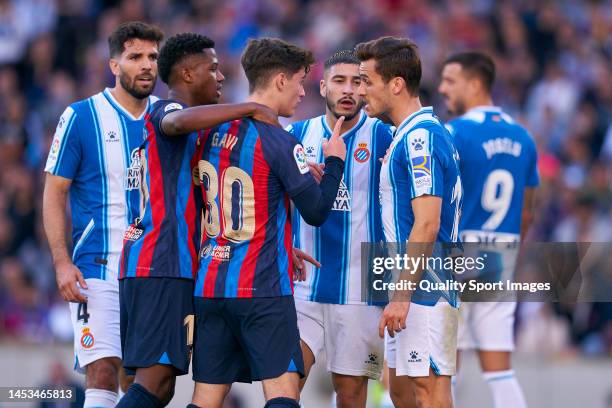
x: 248, y: 172
x: 164, y: 240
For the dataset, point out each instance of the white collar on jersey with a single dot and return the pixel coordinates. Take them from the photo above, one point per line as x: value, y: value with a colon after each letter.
x: 117, y: 105
x: 485, y: 108
x: 412, y: 119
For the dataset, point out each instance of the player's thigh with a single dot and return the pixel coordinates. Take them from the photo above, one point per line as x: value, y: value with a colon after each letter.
x: 352, y: 344
x: 492, y: 325
x: 401, y: 390
x: 270, y: 336
x: 103, y: 374
x: 218, y: 355
x: 429, y: 341
x: 157, y: 322
x: 96, y: 324
x: 432, y: 391
x: 210, y: 395
x: 310, y: 324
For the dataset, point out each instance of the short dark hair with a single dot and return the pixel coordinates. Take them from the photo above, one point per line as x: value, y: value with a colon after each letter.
x: 341, y: 57
x: 178, y: 47
x: 395, y: 57
x: 475, y: 64
x: 132, y: 30
x: 265, y: 57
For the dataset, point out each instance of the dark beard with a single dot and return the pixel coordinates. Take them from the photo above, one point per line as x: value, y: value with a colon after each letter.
x: 332, y: 108
x: 132, y: 90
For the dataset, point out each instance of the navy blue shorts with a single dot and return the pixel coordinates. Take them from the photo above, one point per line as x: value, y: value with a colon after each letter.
x: 157, y: 322
x: 245, y: 340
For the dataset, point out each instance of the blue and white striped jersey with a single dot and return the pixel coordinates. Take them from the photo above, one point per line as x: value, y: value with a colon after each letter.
x: 498, y: 160
x: 421, y: 161
x: 96, y: 146
x: 355, y: 216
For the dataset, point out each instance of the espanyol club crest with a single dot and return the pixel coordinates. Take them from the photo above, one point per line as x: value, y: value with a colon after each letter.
x: 87, y: 339
x: 362, y: 154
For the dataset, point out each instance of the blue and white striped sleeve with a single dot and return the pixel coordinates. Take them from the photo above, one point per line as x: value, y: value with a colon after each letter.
x: 65, y: 152
x: 425, y: 169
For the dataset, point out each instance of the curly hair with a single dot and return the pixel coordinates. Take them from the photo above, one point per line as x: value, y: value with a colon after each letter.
x: 132, y: 30
x: 265, y: 57
x: 178, y: 47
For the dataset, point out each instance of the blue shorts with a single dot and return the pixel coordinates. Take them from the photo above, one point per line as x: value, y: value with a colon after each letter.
x: 245, y: 340
x: 156, y: 322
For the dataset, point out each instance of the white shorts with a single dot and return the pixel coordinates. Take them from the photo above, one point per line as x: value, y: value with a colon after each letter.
x: 96, y: 324
x: 429, y: 340
x: 486, y: 326
x: 347, y: 333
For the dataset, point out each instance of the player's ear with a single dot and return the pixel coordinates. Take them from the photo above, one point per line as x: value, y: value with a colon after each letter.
x: 397, y: 84
x: 280, y: 80
x: 187, y: 75
x: 113, y: 64
x: 322, y: 88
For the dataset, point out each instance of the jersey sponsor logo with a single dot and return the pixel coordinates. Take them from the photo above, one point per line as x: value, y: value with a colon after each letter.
x: 132, y: 233
x: 112, y: 137
x: 343, y: 198
x: 227, y: 141
x: 362, y: 154
x: 502, y: 145
x: 218, y: 252
x: 421, y: 167
x: 300, y: 158
x: 87, y: 339
x: 55, y: 146
x: 132, y: 173
x: 172, y: 107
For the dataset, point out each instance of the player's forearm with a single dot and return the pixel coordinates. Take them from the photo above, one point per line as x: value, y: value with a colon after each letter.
x: 420, y: 246
x: 315, y: 203
x: 203, y: 117
x: 54, y: 221
x: 526, y: 221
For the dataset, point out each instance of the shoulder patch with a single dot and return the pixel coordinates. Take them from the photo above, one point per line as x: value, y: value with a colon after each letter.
x: 300, y: 158
x: 418, y: 143
x: 172, y: 107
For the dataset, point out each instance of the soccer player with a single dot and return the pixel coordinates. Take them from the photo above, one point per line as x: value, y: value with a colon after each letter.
x: 420, y: 190
x: 246, y: 324
x: 329, y: 303
x: 159, y: 258
x: 94, y: 156
x: 498, y: 167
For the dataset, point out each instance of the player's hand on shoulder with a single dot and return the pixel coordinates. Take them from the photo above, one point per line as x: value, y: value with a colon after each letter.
x: 67, y: 275
x: 335, y: 146
x: 264, y: 114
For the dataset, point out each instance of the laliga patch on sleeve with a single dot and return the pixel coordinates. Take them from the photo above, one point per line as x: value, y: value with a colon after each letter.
x: 172, y: 107
x: 300, y: 158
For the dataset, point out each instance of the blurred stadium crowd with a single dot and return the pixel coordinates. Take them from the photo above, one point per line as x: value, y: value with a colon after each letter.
x: 554, y: 61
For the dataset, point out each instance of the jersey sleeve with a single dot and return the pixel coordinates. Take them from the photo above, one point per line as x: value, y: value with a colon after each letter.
x: 65, y: 153
x: 286, y: 158
x: 425, y: 167
x: 533, y: 177
x: 160, y: 110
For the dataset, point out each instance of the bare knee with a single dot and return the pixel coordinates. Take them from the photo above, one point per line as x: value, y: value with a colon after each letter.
x: 159, y: 380
x: 350, y: 391
x: 103, y: 374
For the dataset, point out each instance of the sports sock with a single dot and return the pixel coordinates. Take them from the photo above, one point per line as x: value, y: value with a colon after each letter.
x: 507, y: 392
x: 138, y: 397
x: 97, y: 398
x: 282, y: 402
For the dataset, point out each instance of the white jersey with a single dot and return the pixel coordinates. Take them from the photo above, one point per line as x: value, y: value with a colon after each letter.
x: 355, y: 216
x: 96, y: 146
